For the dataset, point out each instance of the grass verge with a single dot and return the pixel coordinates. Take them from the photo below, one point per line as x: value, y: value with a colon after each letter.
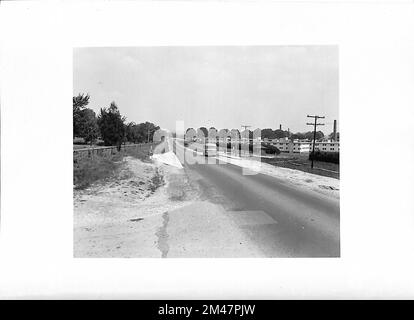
x: 141, y: 152
x: 89, y: 170
x: 301, y: 162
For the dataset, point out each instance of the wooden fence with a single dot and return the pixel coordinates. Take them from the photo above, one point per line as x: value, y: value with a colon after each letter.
x: 85, y: 153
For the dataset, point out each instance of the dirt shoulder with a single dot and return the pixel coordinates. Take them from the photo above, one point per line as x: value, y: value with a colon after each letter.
x: 122, y: 216
x: 153, y: 210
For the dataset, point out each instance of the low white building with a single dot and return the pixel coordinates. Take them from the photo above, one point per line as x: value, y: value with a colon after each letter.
x: 289, y: 146
x: 327, y: 146
x: 300, y: 147
x: 281, y: 144
x: 303, y: 146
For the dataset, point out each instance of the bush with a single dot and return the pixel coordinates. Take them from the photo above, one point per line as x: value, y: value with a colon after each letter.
x: 332, y: 157
x: 270, y: 149
x: 266, y: 147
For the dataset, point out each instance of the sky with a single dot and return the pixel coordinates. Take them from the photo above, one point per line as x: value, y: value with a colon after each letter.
x: 223, y: 87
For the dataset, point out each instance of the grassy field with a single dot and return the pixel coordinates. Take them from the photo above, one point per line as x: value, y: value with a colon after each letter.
x: 87, y: 146
x: 89, y: 170
x: 302, y: 162
x: 83, y: 146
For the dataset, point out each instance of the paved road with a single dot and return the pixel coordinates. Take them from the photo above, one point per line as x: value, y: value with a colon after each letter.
x: 282, y: 219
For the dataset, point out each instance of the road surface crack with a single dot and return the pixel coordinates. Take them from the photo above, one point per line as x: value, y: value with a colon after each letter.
x: 162, y: 236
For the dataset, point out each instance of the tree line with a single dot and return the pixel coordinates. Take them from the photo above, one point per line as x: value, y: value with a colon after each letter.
x: 278, y: 134
x: 109, y: 126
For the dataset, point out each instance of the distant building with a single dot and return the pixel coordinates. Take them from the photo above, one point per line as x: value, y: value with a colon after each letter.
x: 299, y: 147
x: 327, y: 146
x: 289, y: 146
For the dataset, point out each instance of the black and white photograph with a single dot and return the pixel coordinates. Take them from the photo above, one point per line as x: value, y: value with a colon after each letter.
x: 215, y: 152
x: 225, y: 152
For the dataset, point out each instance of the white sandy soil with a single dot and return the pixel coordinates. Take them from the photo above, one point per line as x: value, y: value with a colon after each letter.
x: 325, y: 185
x: 125, y: 217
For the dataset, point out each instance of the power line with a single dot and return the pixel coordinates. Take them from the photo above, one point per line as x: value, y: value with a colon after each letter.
x: 314, y: 132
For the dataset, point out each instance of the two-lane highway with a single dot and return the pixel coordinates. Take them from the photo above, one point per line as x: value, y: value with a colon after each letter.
x: 282, y: 219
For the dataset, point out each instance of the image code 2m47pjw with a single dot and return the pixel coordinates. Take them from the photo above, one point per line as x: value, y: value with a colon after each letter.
x: 206, y: 152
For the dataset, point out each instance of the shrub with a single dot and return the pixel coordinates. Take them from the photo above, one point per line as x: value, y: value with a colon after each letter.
x: 332, y: 157
x: 270, y: 149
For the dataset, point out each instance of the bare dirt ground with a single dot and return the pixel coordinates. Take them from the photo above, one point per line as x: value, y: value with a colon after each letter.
x: 153, y: 210
x: 111, y: 217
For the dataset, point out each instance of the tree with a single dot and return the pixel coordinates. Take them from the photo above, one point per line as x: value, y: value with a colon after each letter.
x: 268, y: 133
x: 280, y: 134
x: 133, y: 133
x: 146, y: 131
x: 87, y: 125
x: 129, y: 133
x: 331, y: 136
x: 274, y: 134
x: 79, y: 104
x: 298, y: 135
x: 111, y: 125
x: 309, y: 135
x: 80, y: 101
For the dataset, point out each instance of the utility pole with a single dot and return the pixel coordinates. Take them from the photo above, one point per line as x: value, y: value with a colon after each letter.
x: 148, y: 136
x: 314, y: 132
